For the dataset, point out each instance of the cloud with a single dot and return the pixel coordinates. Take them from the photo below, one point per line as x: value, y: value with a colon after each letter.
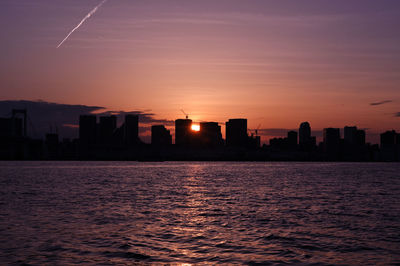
x: 46, y: 116
x: 144, y: 117
x: 380, y: 103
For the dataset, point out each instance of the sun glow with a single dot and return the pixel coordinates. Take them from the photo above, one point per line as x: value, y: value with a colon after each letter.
x: 195, y: 127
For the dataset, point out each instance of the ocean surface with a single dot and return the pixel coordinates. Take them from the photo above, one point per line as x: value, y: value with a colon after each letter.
x: 63, y: 213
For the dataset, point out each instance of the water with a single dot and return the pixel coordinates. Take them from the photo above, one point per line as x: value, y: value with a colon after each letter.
x: 199, y: 213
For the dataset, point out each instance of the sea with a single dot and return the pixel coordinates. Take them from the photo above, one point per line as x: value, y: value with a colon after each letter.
x: 199, y: 213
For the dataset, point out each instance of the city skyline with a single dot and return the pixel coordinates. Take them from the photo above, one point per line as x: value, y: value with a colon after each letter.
x: 276, y: 63
x: 101, y: 137
x: 48, y: 117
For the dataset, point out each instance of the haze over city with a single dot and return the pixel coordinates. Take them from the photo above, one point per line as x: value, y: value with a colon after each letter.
x: 277, y: 63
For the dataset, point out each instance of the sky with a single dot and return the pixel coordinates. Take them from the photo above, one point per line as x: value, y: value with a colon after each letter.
x: 276, y: 63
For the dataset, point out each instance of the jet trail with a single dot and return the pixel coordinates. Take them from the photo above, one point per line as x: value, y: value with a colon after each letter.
x: 82, y: 21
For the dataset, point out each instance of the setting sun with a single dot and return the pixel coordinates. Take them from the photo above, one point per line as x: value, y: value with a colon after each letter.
x: 195, y: 127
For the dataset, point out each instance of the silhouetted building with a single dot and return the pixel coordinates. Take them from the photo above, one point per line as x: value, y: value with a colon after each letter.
x: 107, y: 126
x: 22, y: 127
x: 183, y: 128
x: 87, y: 132
x: 354, y: 148
x: 360, y: 137
x: 210, y: 134
x: 104, y: 141
x: 390, y: 146
x: 304, y: 133
x: 254, y: 142
x: 131, y: 130
x: 14, y: 126
x: 285, y: 144
x: 292, y: 140
x: 278, y: 143
x: 236, y: 133
x: 332, y: 142
x: 306, y: 141
x: 69, y: 149
x: 52, y: 146
x: 350, y: 135
x: 11, y: 127
x: 354, y: 137
x: 388, y: 139
x: 160, y: 136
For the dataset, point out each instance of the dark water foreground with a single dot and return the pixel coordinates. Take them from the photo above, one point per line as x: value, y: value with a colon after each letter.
x: 199, y: 213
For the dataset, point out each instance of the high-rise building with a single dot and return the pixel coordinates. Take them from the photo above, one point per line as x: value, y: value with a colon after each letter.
x: 306, y: 141
x: 236, y: 132
x: 131, y: 130
x: 389, y: 139
x: 107, y: 126
x: 11, y: 127
x: 183, y: 132
x: 23, y: 127
x: 331, y: 136
x: 292, y: 140
x: 360, y: 137
x: 52, y: 145
x: 390, y: 146
x: 210, y: 134
x: 87, y: 131
x: 332, y: 142
x: 304, y: 133
x: 160, y: 136
x: 350, y: 135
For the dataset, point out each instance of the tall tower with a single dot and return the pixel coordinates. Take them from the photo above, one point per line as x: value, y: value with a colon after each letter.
x: 182, y: 131
x: 131, y: 133
x: 236, y: 132
x: 306, y: 141
x: 107, y: 126
x: 87, y: 132
x: 304, y: 133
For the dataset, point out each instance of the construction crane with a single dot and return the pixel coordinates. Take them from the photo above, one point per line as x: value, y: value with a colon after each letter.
x: 187, y: 116
x: 259, y: 125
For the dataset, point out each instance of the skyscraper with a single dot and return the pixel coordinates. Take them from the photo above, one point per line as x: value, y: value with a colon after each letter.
x: 350, y: 135
x: 304, y: 133
x: 360, y: 137
x: 306, y: 141
x: 292, y: 140
x: 210, y: 133
x: 390, y: 146
x: 131, y: 130
x: 183, y: 132
x: 389, y: 139
x: 107, y: 126
x: 87, y: 131
x: 332, y: 142
x: 236, y: 132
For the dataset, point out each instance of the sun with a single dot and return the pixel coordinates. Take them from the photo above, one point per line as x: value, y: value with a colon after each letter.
x: 195, y: 127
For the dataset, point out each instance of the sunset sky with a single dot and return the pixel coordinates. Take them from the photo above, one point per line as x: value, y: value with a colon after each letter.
x: 277, y: 63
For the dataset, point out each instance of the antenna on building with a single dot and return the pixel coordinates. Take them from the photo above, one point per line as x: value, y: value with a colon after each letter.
x: 187, y: 116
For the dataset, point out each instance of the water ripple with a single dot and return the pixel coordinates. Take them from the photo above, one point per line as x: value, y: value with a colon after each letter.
x: 199, y: 213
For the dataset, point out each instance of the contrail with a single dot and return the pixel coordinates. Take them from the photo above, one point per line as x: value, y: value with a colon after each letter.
x: 82, y: 21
